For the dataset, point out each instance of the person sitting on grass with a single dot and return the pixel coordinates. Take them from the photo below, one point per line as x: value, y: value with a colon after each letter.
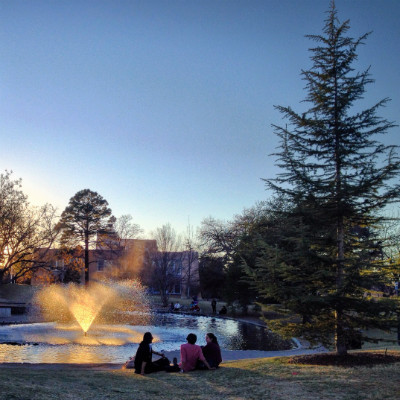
x: 223, y: 310
x: 212, y: 351
x: 143, y: 363
x: 194, y: 306
x: 191, y: 353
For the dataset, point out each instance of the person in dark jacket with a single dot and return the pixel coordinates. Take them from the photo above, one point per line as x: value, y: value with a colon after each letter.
x: 143, y: 358
x: 223, y: 310
x: 214, y: 306
x: 212, y: 351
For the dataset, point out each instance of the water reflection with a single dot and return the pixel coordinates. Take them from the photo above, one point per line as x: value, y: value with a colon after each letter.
x: 60, y: 343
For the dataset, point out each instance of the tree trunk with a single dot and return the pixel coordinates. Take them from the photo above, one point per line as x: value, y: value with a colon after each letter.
x: 398, y: 328
x: 340, y: 337
x: 188, y: 280
x: 164, y: 298
x: 86, y: 259
x: 340, y: 340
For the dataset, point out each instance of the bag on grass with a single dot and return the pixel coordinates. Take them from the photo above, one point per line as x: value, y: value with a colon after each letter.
x: 129, y: 364
x: 161, y: 363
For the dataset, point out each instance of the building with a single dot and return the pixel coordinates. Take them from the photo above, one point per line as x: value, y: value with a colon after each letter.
x: 56, y: 265
x: 121, y: 259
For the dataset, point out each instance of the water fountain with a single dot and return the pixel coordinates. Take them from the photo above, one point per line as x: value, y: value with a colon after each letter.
x: 103, y: 302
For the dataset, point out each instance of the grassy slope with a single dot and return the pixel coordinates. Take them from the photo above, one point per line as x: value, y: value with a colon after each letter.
x: 246, y: 379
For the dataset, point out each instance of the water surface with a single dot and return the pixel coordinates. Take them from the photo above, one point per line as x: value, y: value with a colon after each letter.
x: 64, y: 343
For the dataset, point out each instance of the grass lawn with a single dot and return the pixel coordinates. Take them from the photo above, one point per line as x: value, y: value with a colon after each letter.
x: 205, y: 305
x: 384, y: 340
x: 271, y: 378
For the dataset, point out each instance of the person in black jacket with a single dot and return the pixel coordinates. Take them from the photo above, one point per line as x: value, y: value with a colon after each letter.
x: 143, y: 358
x: 212, y: 351
x: 214, y: 306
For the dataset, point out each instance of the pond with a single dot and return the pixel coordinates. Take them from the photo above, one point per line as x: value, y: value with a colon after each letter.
x: 66, y: 343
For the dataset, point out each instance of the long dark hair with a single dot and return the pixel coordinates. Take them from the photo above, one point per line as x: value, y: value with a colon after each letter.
x: 147, y: 337
x: 213, y: 338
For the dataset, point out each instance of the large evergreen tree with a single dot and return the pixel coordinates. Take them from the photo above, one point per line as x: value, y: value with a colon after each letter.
x: 339, y: 178
x: 86, y: 215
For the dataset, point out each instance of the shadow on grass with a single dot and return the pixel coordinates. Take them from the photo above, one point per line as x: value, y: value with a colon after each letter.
x: 272, y: 378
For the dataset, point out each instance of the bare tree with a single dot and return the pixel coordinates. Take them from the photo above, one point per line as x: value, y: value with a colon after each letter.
x: 191, y: 257
x: 222, y: 238
x: 390, y: 247
x: 125, y: 228
x: 166, y: 261
x: 218, y: 237
x: 23, y: 230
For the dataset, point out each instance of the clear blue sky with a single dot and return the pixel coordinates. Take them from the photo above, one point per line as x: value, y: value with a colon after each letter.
x: 165, y: 107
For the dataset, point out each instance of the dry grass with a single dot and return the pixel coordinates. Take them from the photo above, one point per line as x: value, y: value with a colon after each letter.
x: 272, y: 378
x: 383, y: 340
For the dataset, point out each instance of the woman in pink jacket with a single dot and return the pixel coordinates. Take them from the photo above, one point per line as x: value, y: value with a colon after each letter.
x: 191, y: 353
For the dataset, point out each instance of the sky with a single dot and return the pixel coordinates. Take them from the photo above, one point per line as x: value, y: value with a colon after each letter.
x: 165, y: 107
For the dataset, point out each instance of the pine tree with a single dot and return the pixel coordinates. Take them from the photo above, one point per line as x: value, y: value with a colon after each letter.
x: 86, y: 216
x: 339, y: 178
